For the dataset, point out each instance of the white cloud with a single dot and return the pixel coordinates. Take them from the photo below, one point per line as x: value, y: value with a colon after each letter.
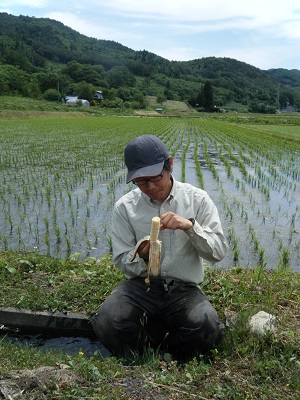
x: 178, y: 53
x: 91, y: 28
x: 26, y: 3
x: 263, y: 57
x: 264, y: 12
x: 83, y: 25
x: 290, y: 30
x: 272, y: 17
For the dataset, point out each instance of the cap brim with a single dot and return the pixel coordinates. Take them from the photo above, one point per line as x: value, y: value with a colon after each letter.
x: 150, y: 170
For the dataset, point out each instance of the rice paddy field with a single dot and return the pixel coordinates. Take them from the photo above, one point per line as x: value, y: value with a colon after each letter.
x: 61, y: 176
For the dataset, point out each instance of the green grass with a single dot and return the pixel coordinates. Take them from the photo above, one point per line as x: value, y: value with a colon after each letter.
x: 43, y: 283
x: 28, y: 104
x: 233, y: 106
x: 242, y: 366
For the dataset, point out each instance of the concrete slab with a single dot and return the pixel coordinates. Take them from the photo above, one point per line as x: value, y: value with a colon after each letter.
x: 53, y: 324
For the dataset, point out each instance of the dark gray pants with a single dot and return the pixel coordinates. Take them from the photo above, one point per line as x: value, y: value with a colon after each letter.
x: 176, y: 317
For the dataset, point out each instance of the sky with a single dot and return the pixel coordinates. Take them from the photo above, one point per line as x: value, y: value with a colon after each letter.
x: 263, y: 33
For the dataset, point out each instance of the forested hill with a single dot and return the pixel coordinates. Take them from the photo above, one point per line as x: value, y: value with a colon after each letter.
x: 32, y: 42
x: 36, y: 53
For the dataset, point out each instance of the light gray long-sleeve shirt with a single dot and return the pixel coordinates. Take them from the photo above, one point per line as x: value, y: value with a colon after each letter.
x: 182, y: 251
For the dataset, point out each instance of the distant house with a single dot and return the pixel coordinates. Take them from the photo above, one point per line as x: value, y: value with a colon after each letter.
x: 72, y: 98
x: 159, y: 110
x: 288, y: 108
x: 74, y: 101
x: 98, y: 95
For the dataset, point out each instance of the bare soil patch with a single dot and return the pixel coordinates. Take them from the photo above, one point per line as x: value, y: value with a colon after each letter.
x: 42, y: 383
x: 35, y: 384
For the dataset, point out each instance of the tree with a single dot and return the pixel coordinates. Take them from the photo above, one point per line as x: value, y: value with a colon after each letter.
x: 161, y: 98
x: 262, y: 108
x: 205, y: 98
x: 50, y: 80
x: 120, y: 76
x: 52, y: 95
x: 208, y: 97
x: 33, y: 89
x: 86, y: 91
x: 287, y: 97
x: 13, y: 80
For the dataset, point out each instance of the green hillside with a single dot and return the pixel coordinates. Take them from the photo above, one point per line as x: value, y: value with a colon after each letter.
x: 43, y: 58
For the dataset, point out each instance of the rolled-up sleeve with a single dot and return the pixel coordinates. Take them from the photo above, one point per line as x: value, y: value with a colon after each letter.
x: 207, y: 235
x: 124, y: 239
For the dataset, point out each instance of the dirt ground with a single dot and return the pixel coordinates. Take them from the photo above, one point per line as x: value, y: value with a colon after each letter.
x: 43, y: 382
x: 35, y: 384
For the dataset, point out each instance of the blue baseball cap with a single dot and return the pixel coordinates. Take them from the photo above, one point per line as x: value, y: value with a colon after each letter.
x: 145, y: 156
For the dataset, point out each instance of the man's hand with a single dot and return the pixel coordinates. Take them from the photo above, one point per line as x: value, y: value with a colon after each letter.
x: 143, y: 250
x: 171, y: 220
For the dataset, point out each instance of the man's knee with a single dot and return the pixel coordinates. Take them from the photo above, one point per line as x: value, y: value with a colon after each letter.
x: 118, y: 324
x: 199, y: 331
x: 205, y: 322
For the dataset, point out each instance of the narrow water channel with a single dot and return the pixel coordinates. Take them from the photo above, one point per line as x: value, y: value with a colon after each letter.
x: 69, y: 345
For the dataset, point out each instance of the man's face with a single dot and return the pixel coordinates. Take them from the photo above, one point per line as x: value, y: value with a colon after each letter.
x: 160, y: 189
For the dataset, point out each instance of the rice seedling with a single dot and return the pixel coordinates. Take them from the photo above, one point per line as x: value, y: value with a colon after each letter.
x: 57, y: 233
x: 47, y: 243
x: 5, y: 243
x: 46, y: 222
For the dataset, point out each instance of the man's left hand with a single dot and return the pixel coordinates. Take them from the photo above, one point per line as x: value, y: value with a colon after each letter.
x: 170, y: 220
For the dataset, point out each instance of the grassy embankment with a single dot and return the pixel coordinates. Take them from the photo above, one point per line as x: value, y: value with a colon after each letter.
x: 21, y: 108
x: 242, y: 366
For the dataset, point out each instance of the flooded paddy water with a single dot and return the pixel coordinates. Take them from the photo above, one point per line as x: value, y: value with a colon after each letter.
x: 59, y: 181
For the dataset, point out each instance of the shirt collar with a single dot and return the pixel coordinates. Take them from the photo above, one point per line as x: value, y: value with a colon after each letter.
x: 172, y: 192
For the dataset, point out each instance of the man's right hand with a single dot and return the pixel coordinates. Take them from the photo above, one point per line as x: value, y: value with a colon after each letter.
x: 143, y: 250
